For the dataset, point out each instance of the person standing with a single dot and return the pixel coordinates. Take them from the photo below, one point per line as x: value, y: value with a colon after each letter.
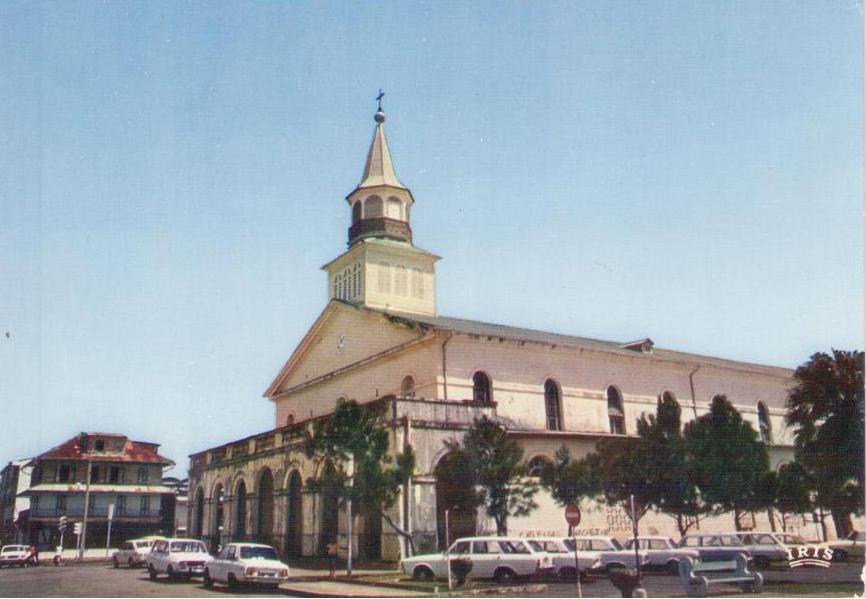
x: 332, y: 558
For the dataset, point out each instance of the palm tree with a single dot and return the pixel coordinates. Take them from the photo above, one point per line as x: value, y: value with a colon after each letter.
x: 826, y: 409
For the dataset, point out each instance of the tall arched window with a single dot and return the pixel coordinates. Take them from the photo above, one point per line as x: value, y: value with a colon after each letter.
x: 241, y: 511
x: 400, y: 280
x: 407, y: 387
x: 615, y: 411
x: 373, y: 207
x: 395, y: 208
x: 356, y: 212
x: 481, y: 391
x: 384, y: 279
x: 552, y: 405
x: 764, y: 423
x: 417, y: 283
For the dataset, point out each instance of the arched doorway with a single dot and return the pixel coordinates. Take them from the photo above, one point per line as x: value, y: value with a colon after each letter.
x: 329, y: 509
x: 198, y: 522
x: 294, y: 521
x: 218, y: 500
x: 455, y: 494
x: 370, y: 541
x: 240, y: 512
x: 265, y: 511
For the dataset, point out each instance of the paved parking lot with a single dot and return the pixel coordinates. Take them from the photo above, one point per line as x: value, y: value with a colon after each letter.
x: 103, y: 581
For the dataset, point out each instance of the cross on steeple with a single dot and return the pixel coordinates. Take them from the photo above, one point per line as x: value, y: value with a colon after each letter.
x: 379, y: 98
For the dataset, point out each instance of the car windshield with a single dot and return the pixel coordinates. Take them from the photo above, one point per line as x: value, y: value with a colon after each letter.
x: 187, y: 547
x: 258, y: 553
x: 11, y: 548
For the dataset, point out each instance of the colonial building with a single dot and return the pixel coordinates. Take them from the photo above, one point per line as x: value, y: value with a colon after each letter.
x: 125, y: 473
x: 14, y: 508
x: 381, y: 339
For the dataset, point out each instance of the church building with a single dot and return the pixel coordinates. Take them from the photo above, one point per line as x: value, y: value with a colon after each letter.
x: 380, y: 338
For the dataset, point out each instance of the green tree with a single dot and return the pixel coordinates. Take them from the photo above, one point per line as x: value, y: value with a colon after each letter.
x: 357, y: 435
x: 794, y: 490
x: 495, y: 462
x: 826, y: 409
x: 726, y: 459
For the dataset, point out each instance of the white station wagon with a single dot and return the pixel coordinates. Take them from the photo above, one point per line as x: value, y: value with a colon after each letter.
x: 246, y: 563
x: 654, y: 552
x: 561, y: 552
x: 504, y: 559
x: 132, y: 553
x: 13, y: 555
x: 177, y: 558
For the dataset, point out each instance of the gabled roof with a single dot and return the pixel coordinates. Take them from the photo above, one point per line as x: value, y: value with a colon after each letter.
x: 485, y: 329
x: 133, y: 451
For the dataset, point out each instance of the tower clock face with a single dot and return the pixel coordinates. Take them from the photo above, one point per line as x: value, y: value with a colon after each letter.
x: 341, y: 342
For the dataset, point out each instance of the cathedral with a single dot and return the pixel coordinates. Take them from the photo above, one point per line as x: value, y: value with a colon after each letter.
x: 380, y: 338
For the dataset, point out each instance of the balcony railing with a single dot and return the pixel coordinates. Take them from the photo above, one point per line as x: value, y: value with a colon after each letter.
x: 100, y: 512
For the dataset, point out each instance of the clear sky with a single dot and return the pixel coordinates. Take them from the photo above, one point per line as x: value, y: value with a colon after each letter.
x: 173, y: 174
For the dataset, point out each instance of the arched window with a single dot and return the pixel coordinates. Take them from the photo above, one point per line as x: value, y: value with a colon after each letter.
x: 356, y: 212
x: 241, y: 510
x: 615, y: 412
x: 537, y: 465
x: 481, y: 391
x: 407, y: 387
x: 395, y: 208
x: 764, y: 423
x: 552, y: 405
x: 290, y: 420
x: 373, y: 207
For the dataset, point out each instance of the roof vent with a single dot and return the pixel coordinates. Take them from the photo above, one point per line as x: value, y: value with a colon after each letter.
x: 644, y: 346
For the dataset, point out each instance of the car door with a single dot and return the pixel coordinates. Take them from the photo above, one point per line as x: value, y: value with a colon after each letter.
x: 458, y: 550
x: 223, y: 562
x: 159, y: 555
x: 484, y: 560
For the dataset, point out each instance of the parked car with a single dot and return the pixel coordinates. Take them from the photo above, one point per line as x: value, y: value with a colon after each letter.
x: 561, y: 553
x: 13, y: 555
x: 714, y: 546
x: 504, y: 559
x: 133, y: 553
x: 850, y: 546
x: 246, y: 563
x: 177, y: 558
x: 654, y: 552
x: 764, y: 547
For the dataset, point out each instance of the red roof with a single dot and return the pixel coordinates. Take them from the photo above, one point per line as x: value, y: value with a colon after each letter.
x: 133, y: 451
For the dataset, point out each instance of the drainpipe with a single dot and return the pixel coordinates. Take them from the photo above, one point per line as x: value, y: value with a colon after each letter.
x: 444, y: 372
x: 692, y: 387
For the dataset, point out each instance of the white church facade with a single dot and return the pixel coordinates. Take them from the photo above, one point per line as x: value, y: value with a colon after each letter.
x: 380, y: 339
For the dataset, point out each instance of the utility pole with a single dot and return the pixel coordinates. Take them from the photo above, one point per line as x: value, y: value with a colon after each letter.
x: 82, y: 540
x: 349, y: 510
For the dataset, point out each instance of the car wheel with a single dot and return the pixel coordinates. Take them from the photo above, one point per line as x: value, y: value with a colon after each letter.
x: 504, y: 576
x: 208, y: 581
x: 422, y: 573
x: 130, y: 563
x: 232, y: 581
x: 114, y: 562
x: 171, y: 573
x: 840, y: 555
x: 613, y: 566
x: 567, y: 573
x: 151, y: 571
x: 673, y: 566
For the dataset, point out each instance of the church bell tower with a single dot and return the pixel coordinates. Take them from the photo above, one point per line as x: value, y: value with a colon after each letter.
x: 382, y: 268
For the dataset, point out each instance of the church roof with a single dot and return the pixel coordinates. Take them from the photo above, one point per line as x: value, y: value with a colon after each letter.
x: 486, y: 329
x: 379, y: 169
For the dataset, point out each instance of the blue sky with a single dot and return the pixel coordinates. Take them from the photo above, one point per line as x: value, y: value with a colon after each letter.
x: 172, y: 177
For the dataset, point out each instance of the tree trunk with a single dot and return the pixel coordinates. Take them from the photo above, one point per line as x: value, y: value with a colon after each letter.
x: 501, y: 526
x: 842, y: 523
x: 737, y: 520
x: 772, y: 519
x: 399, y: 531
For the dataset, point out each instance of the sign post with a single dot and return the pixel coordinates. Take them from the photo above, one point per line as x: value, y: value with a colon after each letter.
x: 572, y: 516
x: 634, y: 511
x: 108, y: 538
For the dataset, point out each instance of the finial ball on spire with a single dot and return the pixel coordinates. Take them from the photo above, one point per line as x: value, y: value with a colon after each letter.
x: 379, y: 117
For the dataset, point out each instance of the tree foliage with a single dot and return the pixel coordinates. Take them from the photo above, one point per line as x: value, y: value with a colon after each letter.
x: 826, y: 409
x: 725, y: 459
x: 358, y: 435
x: 568, y: 480
x: 495, y: 464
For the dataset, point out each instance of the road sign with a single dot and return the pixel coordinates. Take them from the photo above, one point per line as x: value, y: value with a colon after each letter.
x: 572, y: 514
x: 77, y: 528
x: 61, y: 523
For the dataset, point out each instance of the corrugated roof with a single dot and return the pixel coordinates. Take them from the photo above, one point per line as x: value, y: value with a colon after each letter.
x: 486, y: 329
x: 133, y: 451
